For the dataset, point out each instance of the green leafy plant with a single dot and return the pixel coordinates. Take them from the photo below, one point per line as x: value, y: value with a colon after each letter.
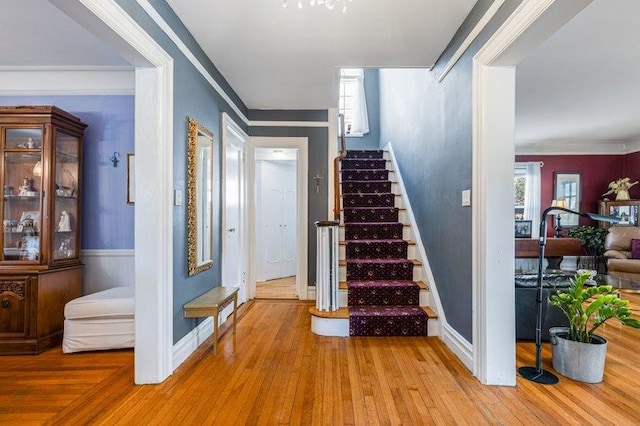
x: 592, y: 238
x: 588, y: 307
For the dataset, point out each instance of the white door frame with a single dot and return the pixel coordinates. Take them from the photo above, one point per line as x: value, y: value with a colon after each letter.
x: 492, y: 195
x: 230, y: 126
x: 153, y: 239
x: 301, y: 144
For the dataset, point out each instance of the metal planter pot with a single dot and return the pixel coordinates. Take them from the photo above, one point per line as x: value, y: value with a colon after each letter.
x: 583, y: 362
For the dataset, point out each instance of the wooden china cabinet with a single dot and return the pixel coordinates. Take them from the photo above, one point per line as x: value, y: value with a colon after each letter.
x: 40, y: 268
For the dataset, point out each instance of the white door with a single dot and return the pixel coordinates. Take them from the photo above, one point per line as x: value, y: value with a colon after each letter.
x: 234, y: 269
x: 277, y: 219
x: 289, y: 224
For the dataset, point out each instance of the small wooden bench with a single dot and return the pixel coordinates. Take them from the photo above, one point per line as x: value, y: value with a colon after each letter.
x: 210, y: 304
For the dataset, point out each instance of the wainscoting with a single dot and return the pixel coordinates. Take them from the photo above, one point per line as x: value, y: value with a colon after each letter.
x: 106, y: 269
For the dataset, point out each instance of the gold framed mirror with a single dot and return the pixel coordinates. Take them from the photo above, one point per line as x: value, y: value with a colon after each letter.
x: 199, y: 197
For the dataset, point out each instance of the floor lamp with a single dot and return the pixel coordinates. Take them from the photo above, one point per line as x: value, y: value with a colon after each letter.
x: 537, y: 374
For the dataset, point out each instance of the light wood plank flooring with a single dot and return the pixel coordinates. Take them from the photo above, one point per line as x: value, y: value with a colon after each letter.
x: 275, y: 371
x: 281, y: 288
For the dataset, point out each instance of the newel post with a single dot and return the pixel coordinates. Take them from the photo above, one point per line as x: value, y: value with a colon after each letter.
x: 327, y: 265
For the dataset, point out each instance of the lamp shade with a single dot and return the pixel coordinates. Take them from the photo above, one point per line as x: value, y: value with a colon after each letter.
x: 559, y: 203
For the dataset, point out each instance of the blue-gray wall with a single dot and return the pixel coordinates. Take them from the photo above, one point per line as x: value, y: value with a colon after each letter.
x: 193, y: 97
x: 430, y: 127
x: 107, y: 219
x: 372, y: 94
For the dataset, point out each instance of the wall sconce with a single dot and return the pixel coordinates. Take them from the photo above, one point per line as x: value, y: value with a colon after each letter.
x: 115, y: 158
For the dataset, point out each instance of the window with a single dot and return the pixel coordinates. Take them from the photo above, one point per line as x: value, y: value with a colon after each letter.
x: 352, y: 102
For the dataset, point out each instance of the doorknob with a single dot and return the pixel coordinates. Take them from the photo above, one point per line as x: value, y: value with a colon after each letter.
x: 231, y: 230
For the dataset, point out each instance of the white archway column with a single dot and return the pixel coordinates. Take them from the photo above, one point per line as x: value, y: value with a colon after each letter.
x: 492, y: 196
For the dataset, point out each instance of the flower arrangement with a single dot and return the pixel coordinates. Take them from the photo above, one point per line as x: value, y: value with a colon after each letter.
x: 620, y: 187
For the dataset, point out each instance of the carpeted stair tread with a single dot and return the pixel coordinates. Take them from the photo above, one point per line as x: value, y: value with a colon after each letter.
x: 366, y: 187
x: 359, y: 175
x: 355, y: 153
x: 363, y: 164
x: 383, y: 293
x: 377, y: 249
x: 368, y: 200
x: 373, y: 230
x: 387, y: 321
x: 370, y: 214
x: 379, y: 269
x: 343, y: 285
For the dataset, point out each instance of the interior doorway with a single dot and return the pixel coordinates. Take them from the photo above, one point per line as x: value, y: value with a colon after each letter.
x: 275, y: 171
x: 278, y: 210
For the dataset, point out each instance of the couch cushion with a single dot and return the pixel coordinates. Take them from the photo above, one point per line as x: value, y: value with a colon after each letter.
x: 112, y: 303
x: 635, y: 248
x: 619, y: 237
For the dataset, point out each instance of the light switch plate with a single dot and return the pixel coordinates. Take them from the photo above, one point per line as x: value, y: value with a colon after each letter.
x: 177, y: 197
x: 466, y: 198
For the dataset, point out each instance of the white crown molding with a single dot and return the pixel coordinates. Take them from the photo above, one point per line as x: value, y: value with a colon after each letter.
x: 289, y: 123
x: 164, y: 26
x: 632, y: 146
x: 42, y: 81
x: 572, y: 147
x: 491, y: 11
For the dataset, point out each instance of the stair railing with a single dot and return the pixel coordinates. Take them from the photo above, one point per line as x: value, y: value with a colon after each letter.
x: 327, y: 265
x: 336, y: 169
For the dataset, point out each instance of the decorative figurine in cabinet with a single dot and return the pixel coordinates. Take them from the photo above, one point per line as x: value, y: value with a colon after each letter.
x: 40, y: 268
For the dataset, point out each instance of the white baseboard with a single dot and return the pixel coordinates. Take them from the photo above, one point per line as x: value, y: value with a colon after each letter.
x: 311, y: 293
x: 190, y: 342
x: 458, y: 345
x: 105, y: 269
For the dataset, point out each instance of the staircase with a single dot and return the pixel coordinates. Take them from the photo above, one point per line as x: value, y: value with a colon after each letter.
x: 381, y: 287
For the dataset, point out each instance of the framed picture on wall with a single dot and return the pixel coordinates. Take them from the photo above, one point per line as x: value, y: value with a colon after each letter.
x: 567, y: 188
x: 523, y: 228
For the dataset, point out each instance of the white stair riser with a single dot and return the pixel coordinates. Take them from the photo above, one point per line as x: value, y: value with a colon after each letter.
x: 339, y: 327
x: 417, y: 273
x: 425, y: 298
x: 411, y: 252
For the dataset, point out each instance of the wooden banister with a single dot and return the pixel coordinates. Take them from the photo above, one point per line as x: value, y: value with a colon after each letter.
x: 336, y: 169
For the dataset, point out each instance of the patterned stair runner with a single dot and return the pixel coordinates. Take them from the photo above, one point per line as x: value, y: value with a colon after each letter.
x: 382, y: 296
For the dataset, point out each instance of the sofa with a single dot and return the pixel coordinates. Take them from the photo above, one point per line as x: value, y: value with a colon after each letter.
x: 618, y: 252
x: 526, y: 309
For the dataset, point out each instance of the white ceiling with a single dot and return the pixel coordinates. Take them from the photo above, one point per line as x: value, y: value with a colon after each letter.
x: 288, y: 58
x: 582, y: 84
x: 36, y: 33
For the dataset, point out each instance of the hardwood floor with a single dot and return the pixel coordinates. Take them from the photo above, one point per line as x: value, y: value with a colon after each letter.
x: 281, y: 288
x: 275, y: 371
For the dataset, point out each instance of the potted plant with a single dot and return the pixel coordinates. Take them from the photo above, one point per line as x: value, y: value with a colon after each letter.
x: 592, y: 242
x: 577, y: 352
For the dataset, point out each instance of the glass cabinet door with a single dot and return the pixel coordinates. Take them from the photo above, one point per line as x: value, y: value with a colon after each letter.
x: 66, y: 172
x: 22, y: 183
